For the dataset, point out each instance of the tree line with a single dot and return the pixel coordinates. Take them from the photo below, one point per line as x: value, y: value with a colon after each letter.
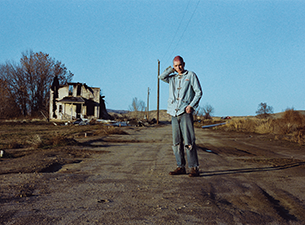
x: 25, y: 86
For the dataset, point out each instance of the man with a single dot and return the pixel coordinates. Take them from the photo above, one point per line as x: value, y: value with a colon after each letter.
x: 184, y: 95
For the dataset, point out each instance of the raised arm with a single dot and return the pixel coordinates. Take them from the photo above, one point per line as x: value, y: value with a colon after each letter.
x: 164, y: 76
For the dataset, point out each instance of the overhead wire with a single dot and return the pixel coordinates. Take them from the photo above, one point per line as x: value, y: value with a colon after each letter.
x: 172, y: 41
x: 184, y: 30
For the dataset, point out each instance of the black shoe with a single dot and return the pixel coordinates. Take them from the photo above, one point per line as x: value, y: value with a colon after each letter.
x: 194, y: 172
x: 178, y: 171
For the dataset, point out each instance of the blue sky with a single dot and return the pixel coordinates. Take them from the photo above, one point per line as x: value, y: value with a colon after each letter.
x: 244, y: 52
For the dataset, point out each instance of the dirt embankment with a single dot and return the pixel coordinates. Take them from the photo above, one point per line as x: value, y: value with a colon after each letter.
x: 123, y: 179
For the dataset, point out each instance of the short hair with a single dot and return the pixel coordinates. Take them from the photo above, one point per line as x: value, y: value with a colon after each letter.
x: 178, y: 58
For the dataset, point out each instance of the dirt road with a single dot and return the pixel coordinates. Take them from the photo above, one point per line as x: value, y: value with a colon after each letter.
x: 244, y: 179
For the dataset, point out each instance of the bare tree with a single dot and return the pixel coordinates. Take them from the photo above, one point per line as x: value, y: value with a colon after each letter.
x: 15, y: 84
x: 137, y: 105
x: 8, y: 107
x: 208, y: 110
x: 264, y: 110
x: 29, y: 82
x: 39, y: 70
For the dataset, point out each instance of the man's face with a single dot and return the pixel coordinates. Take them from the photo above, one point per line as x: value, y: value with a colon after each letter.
x: 178, y: 66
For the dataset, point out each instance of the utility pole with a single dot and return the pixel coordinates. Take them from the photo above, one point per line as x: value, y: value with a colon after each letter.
x: 147, y: 107
x: 158, y: 92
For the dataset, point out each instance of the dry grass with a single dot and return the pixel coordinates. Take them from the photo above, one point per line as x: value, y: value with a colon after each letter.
x: 107, y: 130
x: 290, y: 126
x: 199, y: 121
x: 45, y: 135
x: 254, y: 125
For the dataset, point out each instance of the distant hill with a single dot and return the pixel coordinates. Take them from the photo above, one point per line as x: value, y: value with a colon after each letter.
x: 163, y: 115
x: 280, y: 114
x: 117, y: 111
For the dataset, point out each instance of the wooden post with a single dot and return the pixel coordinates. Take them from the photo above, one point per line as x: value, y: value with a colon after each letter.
x: 147, y: 107
x: 158, y: 93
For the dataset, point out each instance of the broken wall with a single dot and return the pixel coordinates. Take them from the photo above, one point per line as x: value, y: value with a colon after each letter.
x: 75, y: 100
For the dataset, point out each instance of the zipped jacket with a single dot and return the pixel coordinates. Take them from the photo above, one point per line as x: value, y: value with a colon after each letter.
x: 184, y: 90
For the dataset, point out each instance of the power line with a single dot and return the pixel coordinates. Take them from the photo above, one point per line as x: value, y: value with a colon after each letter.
x: 185, y: 28
x: 170, y: 45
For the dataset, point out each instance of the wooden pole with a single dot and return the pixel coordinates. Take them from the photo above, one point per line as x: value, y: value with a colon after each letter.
x: 158, y: 93
x: 147, y: 108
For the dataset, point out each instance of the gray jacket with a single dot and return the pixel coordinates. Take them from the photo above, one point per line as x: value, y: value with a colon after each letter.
x: 184, y: 90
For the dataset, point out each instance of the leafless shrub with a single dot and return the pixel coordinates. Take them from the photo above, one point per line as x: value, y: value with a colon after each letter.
x: 207, y: 111
x: 13, y: 145
x: 290, y: 122
x: 58, y: 140
x: 108, y: 130
x: 137, y: 105
x: 35, y: 141
x: 114, y: 130
x: 137, y: 108
x: 294, y: 117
